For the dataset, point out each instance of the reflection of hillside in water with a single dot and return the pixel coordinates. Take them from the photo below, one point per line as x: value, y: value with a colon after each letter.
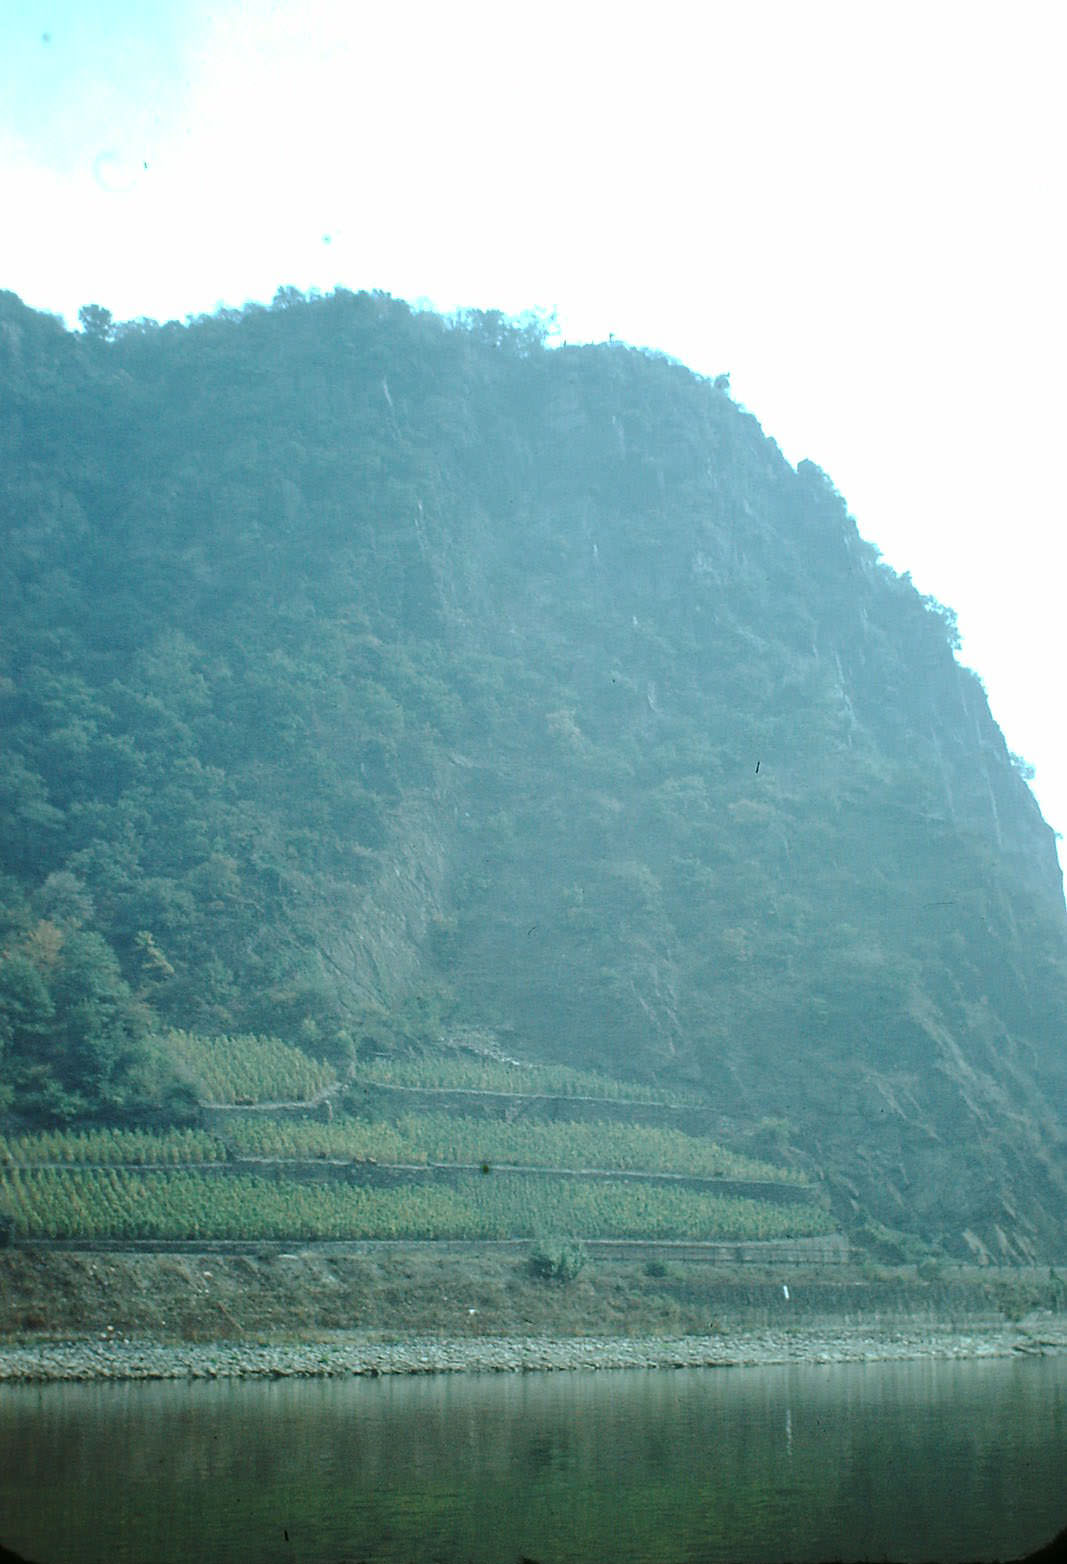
x: 1052, y: 1553
x: 912, y: 1461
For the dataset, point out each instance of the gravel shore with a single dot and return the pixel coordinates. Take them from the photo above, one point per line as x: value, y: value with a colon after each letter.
x: 114, y: 1358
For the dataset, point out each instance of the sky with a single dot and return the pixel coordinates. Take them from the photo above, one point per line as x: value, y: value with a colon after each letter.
x: 855, y: 209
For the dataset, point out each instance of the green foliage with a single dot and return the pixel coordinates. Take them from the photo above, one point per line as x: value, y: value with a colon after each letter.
x: 111, y: 1202
x: 109, y: 1182
x: 348, y: 1139
x: 453, y: 1138
x: 115, y: 1146
x: 248, y: 1069
x: 887, y: 1245
x: 557, y: 1259
x: 1015, y: 1297
x: 73, y: 1037
x: 96, y: 322
x: 460, y: 1072
x: 353, y: 655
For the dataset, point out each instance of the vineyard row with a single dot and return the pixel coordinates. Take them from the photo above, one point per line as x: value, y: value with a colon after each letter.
x: 412, y: 1138
x: 256, y: 1069
x: 120, y: 1203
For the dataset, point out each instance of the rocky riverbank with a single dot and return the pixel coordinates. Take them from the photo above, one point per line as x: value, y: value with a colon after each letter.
x: 111, y: 1358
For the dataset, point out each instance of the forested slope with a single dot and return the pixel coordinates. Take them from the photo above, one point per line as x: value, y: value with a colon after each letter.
x: 371, y: 679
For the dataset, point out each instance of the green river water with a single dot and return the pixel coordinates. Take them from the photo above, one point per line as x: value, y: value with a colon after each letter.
x: 910, y: 1461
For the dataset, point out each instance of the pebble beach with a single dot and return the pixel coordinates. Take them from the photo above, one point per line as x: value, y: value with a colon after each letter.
x: 110, y: 1357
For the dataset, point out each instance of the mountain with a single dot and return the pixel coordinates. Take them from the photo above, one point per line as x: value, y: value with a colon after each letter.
x: 376, y: 680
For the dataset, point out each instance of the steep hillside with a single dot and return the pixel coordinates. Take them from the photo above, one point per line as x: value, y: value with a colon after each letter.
x: 372, y: 679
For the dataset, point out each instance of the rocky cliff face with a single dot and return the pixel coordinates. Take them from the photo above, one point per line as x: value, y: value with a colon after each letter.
x: 448, y: 680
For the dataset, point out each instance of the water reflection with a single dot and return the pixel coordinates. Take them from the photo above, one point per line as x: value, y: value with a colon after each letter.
x: 890, y: 1460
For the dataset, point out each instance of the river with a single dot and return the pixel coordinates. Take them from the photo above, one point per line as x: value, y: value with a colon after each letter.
x: 904, y: 1460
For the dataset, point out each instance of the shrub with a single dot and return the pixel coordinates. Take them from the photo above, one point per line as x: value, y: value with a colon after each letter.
x: 557, y: 1259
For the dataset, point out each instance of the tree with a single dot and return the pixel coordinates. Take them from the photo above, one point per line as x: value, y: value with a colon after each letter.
x: 102, y: 1024
x: 27, y: 1015
x: 96, y: 322
x: 71, y: 1031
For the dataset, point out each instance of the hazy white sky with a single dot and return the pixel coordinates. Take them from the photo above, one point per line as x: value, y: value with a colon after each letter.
x: 855, y: 208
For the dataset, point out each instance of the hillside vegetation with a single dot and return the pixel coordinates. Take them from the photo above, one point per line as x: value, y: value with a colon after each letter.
x: 403, y: 690
x: 424, y: 1173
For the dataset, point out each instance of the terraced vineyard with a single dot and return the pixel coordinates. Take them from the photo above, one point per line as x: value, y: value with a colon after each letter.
x: 249, y: 1069
x: 111, y: 1147
x: 465, y: 1072
x: 253, y: 1171
x: 440, y: 1137
x: 126, y: 1203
